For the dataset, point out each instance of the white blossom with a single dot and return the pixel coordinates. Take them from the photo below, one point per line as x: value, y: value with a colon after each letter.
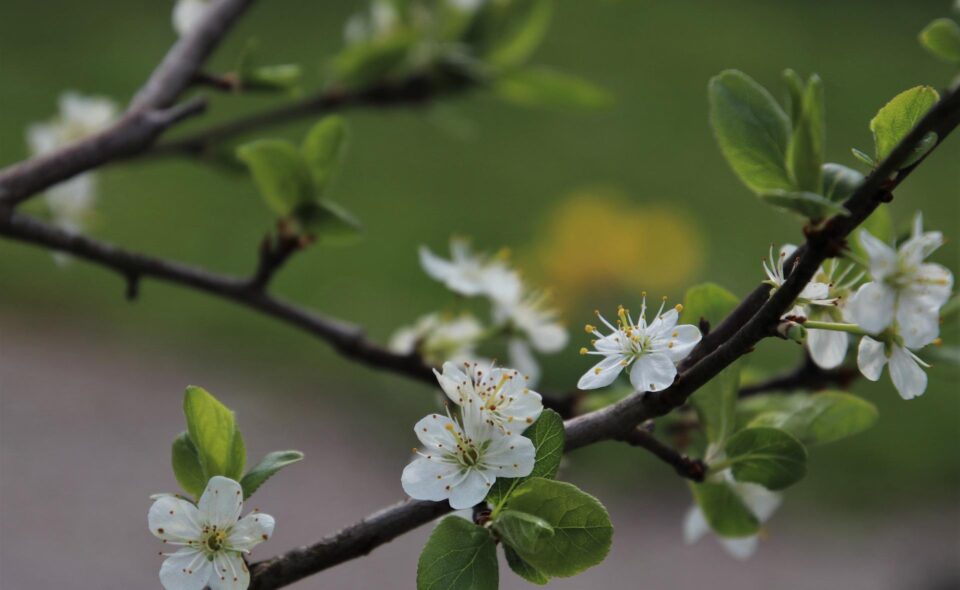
x: 906, y: 368
x: 440, y: 338
x: 759, y: 500
x: 535, y: 325
x: 460, y: 460
x: 211, y: 537
x: 71, y: 201
x: 472, y: 274
x: 653, y: 349
x: 815, y: 292
x: 498, y: 397
x: 187, y: 13
x: 905, y: 290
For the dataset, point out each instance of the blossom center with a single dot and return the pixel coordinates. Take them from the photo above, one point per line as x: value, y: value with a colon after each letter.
x: 215, y: 540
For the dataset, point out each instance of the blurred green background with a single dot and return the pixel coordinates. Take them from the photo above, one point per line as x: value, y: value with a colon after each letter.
x: 639, y: 187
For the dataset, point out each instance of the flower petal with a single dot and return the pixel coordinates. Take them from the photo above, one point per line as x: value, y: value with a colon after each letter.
x: 918, y: 326
x: 827, y: 348
x: 930, y: 286
x: 741, y: 548
x: 548, y: 337
x: 174, y: 519
x: 429, y: 479
x: 684, y: 338
x: 433, y: 432
x: 187, y: 569
x: 454, y: 382
x: 871, y: 357
x: 221, y: 502
x: 251, y: 530
x: 882, y: 258
x: 871, y: 307
x: 471, y: 491
x: 694, y: 525
x: 522, y: 358
x: 907, y: 375
x: 510, y: 456
x: 602, y: 374
x: 229, y: 572
x: 652, y: 372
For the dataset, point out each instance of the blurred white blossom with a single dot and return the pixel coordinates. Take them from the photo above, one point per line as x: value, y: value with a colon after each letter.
x: 438, y: 338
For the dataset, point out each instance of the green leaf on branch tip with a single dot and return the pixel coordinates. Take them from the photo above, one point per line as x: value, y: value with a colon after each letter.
x: 814, y: 419
x: 328, y: 222
x: 524, y: 569
x: 264, y: 470
x: 279, y: 172
x: 186, y: 466
x: 942, y: 38
x: 770, y: 457
x: 805, y: 150
x: 548, y: 437
x: 715, y: 402
x: 521, y: 530
x: 794, y: 97
x: 459, y: 555
x: 724, y: 510
x: 898, y: 117
x: 213, y: 432
x: 322, y: 149
x: 752, y: 130
x: 543, y: 87
x: 864, y: 157
x: 840, y: 182
x: 581, y: 527
x: 809, y: 205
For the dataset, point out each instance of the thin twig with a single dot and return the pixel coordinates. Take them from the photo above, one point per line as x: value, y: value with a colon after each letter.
x: 807, y: 375
x: 687, y: 467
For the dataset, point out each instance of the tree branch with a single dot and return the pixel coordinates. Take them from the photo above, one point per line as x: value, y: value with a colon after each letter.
x: 685, y: 466
x: 807, y: 375
x: 150, y: 113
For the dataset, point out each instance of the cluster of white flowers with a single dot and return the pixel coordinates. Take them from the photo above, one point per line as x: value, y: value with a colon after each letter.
x: 70, y: 202
x: 211, y: 537
x: 464, y: 452
x: 524, y: 315
x: 896, y: 311
x: 653, y: 349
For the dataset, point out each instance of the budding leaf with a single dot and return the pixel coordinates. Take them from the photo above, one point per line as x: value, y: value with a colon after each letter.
x: 723, y: 510
x: 770, y: 457
x: 864, y: 157
x: 898, y: 117
x: 322, y: 149
x: 328, y: 222
x: 805, y: 150
x: 521, y: 530
x: 186, y: 466
x: 280, y: 173
x: 942, y: 39
x: 548, y: 437
x: 581, y: 527
x: 814, y: 419
x: 277, y: 77
x: 459, y: 555
x: 794, y: 98
x: 543, y: 87
x: 840, y: 182
x: 524, y: 569
x: 752, y: 130
x: 213, y: 431
x: 264, y: 470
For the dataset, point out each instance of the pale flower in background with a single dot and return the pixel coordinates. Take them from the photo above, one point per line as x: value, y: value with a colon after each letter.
x: 472, y: 274
x: 211, y: 537
x: 379, y: 22
x: 759, y: 500
x: 460, y: 461
x: 498, y: 396
x: 187, y: 13
x: 653, y: 349
x: 534, y: 324
x: 70, y: 202
x: 438, y: 338
x: 904, y: 289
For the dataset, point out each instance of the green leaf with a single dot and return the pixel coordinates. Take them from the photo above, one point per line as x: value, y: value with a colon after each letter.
x: 524, y: 569
x: 794, y: 97
x: 186, y: 466
x: 715, y: 402
x: 752, y: 130
x: 322, y: 149
x: 898, y: 117
x: 264, y: 470
x: 723, y: 510
x: 767, y: 456
x: 581, y: 526
x: 512, y: 30
x: 366, y: 64
x: 942, y: 39
x: 814, y: 419
x: 213, y: 431
x: 328, y: 222
x: 805, y: 150
x: 864, y: 157
x: 280, y: 173
x: 459, y: 555
x: 810, y: 205
x: 840, y: 182
x: 520, y: 530
x: 548, y: 439
x: 543, y: 87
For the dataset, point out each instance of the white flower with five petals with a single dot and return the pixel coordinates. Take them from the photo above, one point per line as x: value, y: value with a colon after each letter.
x: 496, y: 396
x: 439, y: 338
x: 460, y: 460
x: 472, y: 274
x: 211, y: 537
x: 653, y: 349
x: 534, y: 325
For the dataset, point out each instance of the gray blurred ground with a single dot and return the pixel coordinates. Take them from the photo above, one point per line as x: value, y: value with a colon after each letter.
x: 85, y: 427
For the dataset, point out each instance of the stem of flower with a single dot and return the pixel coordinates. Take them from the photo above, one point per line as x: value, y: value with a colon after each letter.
x: 848, y: 328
